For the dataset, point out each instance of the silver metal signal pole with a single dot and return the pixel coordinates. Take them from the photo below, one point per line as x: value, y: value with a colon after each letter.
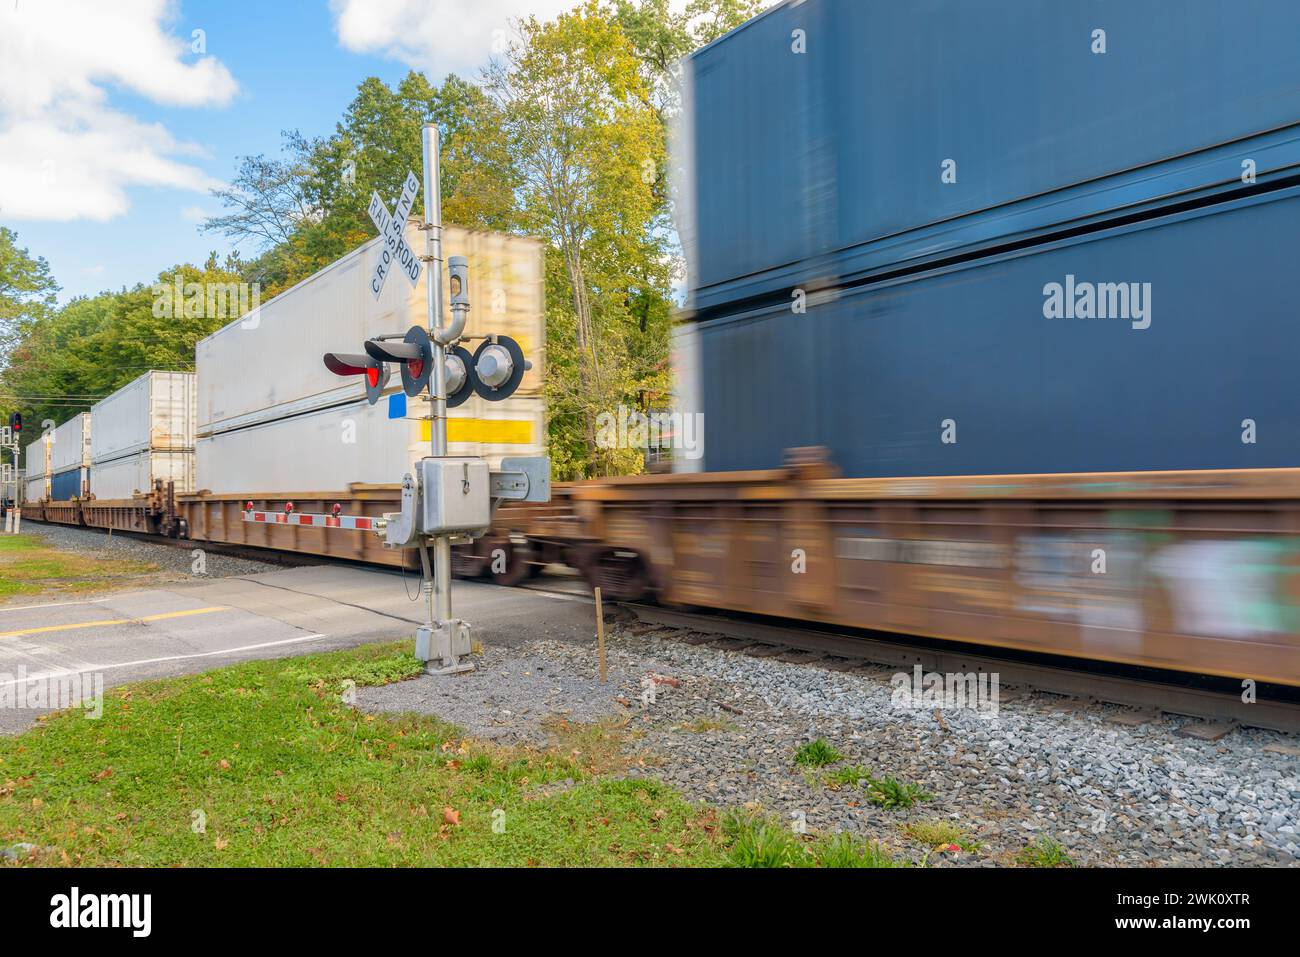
x: 440, y: 598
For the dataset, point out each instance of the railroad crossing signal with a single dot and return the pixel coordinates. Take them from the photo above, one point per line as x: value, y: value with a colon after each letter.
x: 393, y: 229
x: 349, y: 364
x: 445, y: 498
x: 413, y: 354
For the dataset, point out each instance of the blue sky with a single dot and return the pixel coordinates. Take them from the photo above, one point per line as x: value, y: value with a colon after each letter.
x: 142, y: 135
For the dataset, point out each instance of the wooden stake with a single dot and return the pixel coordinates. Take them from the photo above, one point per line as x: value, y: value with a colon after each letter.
x: 600, y: 634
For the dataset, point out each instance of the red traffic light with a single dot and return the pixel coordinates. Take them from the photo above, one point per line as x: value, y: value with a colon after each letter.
x: 413, y: 355
x: 374, y: 372
x: 16, y: 422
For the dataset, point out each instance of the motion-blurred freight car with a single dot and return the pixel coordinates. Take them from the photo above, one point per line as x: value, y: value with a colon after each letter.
x: 944, y: 238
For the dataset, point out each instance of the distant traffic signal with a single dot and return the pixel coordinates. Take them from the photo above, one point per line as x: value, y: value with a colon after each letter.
x: 16, y: 422
x: 349, y: 364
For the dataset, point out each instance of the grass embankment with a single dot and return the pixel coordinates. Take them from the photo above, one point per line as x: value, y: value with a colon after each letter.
x: 266, y: 763
x: 30, y: 566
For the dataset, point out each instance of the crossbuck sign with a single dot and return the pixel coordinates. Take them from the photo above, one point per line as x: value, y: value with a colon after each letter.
x: 392, y: 229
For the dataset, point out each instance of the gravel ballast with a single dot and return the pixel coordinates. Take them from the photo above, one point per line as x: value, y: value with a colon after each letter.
x: 723, y: 727
x: 169, y: 558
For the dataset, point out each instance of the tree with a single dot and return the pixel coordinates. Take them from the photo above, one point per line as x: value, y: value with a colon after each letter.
x: 307, y: 210
x: 586, y: 145
x: 70, y: 358
x: 27, y: 290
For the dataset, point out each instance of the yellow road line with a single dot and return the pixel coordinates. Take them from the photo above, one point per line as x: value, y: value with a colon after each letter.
x: 111, y: 621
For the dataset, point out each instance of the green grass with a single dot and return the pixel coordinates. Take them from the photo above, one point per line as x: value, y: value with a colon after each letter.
x: 280, y: 771
x: 890, y: 793
x: 935, y: 834
x: 816, y: 754
x: 29, y: 566
x: 846, y: 777
x: 1044, y: 852
x: 759, y: 841
x: 886, y: 792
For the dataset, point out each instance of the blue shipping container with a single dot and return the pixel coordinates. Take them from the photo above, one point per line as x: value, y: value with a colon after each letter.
x: 824, y: 127
x: 69, y: 484
x: 993, y: 366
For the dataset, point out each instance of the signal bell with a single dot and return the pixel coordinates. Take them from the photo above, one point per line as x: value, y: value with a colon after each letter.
x: 499, y: 367
x: 347, y: 364
x: 460, y: 376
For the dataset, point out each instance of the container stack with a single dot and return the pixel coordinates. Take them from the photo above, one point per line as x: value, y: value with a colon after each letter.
x: 36, y: 470
x: 946, y: 238
x: 143, y: 433
x: 68, y: 459
x: 273, y: 419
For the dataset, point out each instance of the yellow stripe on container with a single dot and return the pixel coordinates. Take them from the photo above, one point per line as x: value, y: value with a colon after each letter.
x: 486, y: 431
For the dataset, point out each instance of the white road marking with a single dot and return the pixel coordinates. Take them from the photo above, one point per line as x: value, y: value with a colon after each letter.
x: 53, y: 604
x: 154, y: 661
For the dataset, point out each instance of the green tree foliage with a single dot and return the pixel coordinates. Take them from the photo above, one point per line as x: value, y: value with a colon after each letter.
x: 27, y: 290
x: 70, y: 358
x: 588, y: 147
x: 309, y: 209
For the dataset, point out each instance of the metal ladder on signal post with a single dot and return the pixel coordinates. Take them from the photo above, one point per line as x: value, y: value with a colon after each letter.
x: 447, y: 499
x: 11, y: 478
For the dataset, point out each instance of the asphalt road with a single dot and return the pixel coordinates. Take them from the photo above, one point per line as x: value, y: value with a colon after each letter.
x: 193, y: 627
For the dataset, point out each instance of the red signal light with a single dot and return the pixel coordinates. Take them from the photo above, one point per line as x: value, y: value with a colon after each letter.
x: 413, y: 355
x: 373, y: 371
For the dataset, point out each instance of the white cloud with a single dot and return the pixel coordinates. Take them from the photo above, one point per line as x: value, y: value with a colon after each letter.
x: 65, y: 152
x: 436, y: 36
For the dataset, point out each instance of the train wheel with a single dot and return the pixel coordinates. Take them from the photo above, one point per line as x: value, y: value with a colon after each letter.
x: 621, y: 575
x: 516, y: 565
x: 467, y: 563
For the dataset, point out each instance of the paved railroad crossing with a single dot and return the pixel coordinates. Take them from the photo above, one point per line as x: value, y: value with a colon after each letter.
x: 193, y: 627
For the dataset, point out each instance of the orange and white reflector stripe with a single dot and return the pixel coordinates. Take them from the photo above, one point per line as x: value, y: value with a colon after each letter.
x: 307, y: 519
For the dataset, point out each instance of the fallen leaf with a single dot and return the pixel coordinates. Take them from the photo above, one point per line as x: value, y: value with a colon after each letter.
x: 225, y: 765
x: 106, y: 773
x: 340, y: 797
x: 451, y: 815
x: 221, y: 844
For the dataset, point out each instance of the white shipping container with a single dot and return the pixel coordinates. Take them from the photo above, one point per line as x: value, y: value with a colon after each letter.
x: 35, y: 489
x: 123, y: 477
x: 70, y: 444
x: 156, y: 411
x: 328, y: 450
x: 36, y: 458
x: 267, y: 365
